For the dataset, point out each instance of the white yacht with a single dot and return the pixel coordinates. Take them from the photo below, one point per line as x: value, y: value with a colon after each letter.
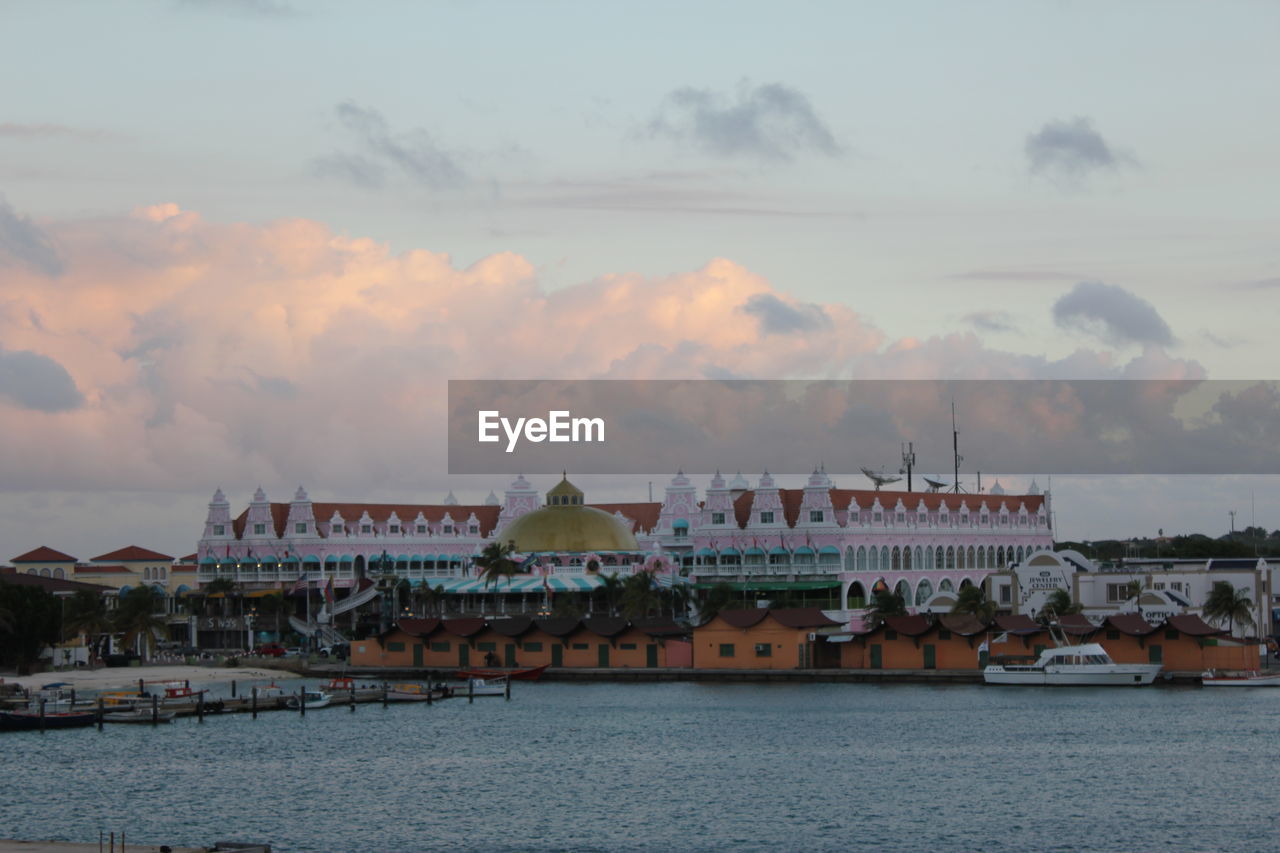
x: 1086, y: 664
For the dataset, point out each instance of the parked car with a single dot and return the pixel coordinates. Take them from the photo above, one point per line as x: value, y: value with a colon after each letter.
x: 339, y: 651
x: 293, y: 652
x: 269, y: 650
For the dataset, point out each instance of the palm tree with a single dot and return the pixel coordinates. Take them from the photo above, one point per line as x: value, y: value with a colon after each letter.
x: 639, y: 596
x: 718, y: 598
x: 680, y: 599
x: 883, y: 605
x: 610, y: 588
x: 495, y: 564
x: 1226, y: 602
x: 136, y: 617
x: 971, y: 599
x: 225, y: 586
x: 1058, y: 605
x: 86, y: 614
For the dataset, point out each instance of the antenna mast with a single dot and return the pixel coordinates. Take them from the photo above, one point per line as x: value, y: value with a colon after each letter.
x: 908, y: 461
x: 955, y: 451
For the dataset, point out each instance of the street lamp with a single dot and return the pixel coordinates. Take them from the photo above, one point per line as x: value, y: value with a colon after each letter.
x: 248, y: 622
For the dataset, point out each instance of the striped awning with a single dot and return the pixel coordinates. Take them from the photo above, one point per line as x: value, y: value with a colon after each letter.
x: 517, y: 585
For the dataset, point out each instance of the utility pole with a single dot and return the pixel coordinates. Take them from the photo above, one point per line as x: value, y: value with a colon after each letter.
x: 955, y: 451
x: 908, y: 461
x: 1232, y: 513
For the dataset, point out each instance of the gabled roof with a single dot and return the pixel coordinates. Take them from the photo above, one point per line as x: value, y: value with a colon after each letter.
x: 964, y: 624
x: 842, y: 498
x: 644, y: 516
x: 915, y: 625
x: 512, y: 626
x: 1131, y: 624
x: 558, y: 626
x: 465, y: 627
x: 485, y: 514
x: 1076, y: 625
x: 802, y: 617
x: 1020, y: 624
x: 605, y: 626
x: 1193, y: 625
x: 745, y: 618
x: 131, y: 553
x: 44, y: 554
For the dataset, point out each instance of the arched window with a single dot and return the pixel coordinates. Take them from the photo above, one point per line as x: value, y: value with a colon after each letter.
x: 951, y: 557
x: 924, y: 589
x: 897, y: 558
x: 972, y: 564
x: 1000, y: 557
x: 857, y: 597
x: 862, y: 558
x: 928, y: 557
x: 991, y: 557
x: 903, y: 589
x: 919, y: 562
x: 945, y: 585
x: 906, y: 558
x: 1021, y: 554
x: 884, y: 557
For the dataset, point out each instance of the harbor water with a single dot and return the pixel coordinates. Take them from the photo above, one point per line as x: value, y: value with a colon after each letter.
x: 681, y: 766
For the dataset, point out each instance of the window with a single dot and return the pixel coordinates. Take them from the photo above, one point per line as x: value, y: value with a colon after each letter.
x: 1159, y: 586
x: 1004, y: 521
x: 259, y: 529
x: 395, y: 647
x: 393, y: 528
x: 1117, y: 592
x: 1006, y: 594
x: 986, y: 519
x: 448, y: 528
x: 964, y: 519
x: 875, y: 517
x: 1022, y: 521
x: 219, y: 529
x: 726, y: 650
x: 440, y: 646
x: 473, y: 530
x: 533, y: 646
x: 942, y: 518
x: 815, y: 516
x: 902, y: 517
x: 1176, y: 586
x: 422, y: 528
x: 630, y: 647
x: 681, y: 532
x: 717, y: 518
x: 766, y: 518
x: 366, y: 528
x: 764, y: 650
x: 335, y: 528
x: 301, y: 527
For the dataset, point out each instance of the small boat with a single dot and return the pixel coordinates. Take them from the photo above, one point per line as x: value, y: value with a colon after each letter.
x: 339, y: 684
x: 138, y: 714
x: 270, y: 692
x: 1247, y: 678
x: 1086, y: 664
x: 311, y: 699
x: 529, y: 674
x: 180, y: 691
x: 486, y: 686
x: 28, y: 719
x: 412, y: 692
x: 123, y: 698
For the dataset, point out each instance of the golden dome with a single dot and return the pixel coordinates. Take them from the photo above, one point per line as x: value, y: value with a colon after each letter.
x: 566, y: 525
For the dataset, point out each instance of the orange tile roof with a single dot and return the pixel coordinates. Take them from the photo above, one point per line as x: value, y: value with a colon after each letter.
x: 132, y: 553
x: 841, y: 499
x: 95, y: 569
x: 351, y: 512
x: 644, y: 516
x: 44, y: 554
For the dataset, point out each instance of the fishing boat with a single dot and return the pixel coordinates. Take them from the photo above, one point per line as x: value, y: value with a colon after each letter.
x: 138, y: 715
x: 486, y: 686
x: 1248, y: 678
x: 529, y: 674
x: 339, y: 684
x: 122, y: 698
x: 28, y: 719
x: 1086, y: 664
x: 413, y: 692
x: 271, y: 692
x: 311, y: 699
x: 180, y: 691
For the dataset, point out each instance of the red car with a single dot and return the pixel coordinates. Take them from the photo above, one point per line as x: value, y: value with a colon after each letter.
x: 269, y: 650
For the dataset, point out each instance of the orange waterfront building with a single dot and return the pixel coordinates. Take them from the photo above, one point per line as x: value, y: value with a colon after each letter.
x: 760, y: 638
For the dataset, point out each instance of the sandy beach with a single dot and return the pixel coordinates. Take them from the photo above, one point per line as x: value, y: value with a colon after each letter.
x: 124, y: 678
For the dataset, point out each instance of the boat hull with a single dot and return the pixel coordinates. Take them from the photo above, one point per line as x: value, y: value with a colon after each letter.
x: 20, y: 721
x: 530, y: 674
x: 1270, y: 680
x: 1118, y: 675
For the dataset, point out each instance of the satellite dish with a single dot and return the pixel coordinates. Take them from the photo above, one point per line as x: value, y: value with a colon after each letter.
x: 880, y: 477
x: 934, y: 483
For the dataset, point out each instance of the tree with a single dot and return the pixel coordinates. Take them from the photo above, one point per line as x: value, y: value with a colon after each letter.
x: 611, y: 590
x: 883, y: 605
x: 225, y: 587
x: 272, y: 605
x: 1226, y: 603
x: 718, y: 598
x: 971, y: 599
x: 495, y: 563
x: 136, y: 617
x: 31, y: 622
x: 679, y: 599
x: 1059, y: 605
x: 86, y: 613
x: 640, y: 596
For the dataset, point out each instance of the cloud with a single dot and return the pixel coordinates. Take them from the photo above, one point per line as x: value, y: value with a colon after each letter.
x: 207, y: 352
x: 414, y: 155
x: 1113, y: 314
x: 772, y: 122
x: 783, y: 318
x: 991, y: 321
x: 16, y: 130
x: 1071, y: 151
x: 22, y: 239
x: 37, y: 382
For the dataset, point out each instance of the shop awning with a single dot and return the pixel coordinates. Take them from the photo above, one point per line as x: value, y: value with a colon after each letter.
x: 521, y: 584
x: 770, y: 586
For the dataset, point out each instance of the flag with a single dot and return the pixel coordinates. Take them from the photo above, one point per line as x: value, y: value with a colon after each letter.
x: 328, y: 592
x: 983, y: 647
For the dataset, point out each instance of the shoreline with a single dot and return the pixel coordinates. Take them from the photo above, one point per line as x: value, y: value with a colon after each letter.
x: 126, y: 677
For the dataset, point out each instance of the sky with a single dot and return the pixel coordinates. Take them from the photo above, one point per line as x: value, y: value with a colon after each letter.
x: 246, y: 242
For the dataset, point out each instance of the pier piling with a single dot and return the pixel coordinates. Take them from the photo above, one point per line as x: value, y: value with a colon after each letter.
x: 155, y: 710
x: 99, y: 718
x: 253, y: 702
